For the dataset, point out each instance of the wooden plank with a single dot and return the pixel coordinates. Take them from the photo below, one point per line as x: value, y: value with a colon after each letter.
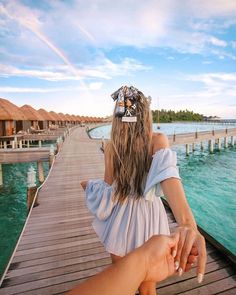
x: 190, y: 284
x: 51, y: 253
x: 47, y: 259
x: 214, y: 287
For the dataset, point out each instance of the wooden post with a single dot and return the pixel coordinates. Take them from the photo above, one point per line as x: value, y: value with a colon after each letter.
x: 15, y: 142
x: 28, y: 144
x: 1, y: 178
x: 219, y: 144
x: 58, y: 144
x: 51, y: 155
x: 40, y: 171
x: 187, y: 149
x: 202, y: 146
x: 5, y: 145
x: 20, y: 144
x: 31, y: 187
x: 211, y: 146
x: 225, y: 142
x: 193, y: 146
x: 40, y: 143
x: 232, y: 140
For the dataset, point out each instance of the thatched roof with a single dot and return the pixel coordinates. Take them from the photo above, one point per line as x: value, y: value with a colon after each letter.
x: 31, y: 113
x: 68, y: 117
x: 74, y: 118
x: 9, y: 111
x: 62, y: 116
x: 78, y: 119
x: 46, y: 115
x: 55, y: 116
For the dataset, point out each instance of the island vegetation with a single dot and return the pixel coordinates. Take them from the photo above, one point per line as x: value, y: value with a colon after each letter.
x: 167, y: 116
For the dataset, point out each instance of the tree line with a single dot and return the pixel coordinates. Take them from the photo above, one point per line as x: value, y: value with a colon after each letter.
x: 167, y: 116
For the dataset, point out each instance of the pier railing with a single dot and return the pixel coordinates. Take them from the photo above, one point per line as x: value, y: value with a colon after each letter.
x: 219, y: 137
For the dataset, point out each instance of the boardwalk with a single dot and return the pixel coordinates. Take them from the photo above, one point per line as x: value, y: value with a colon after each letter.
x: 59, y: 247
x: 24, y: 155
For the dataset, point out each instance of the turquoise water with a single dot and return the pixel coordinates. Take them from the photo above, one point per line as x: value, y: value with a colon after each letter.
x: 167, y: 128
x: 209, y: 182
x: 13, y: 206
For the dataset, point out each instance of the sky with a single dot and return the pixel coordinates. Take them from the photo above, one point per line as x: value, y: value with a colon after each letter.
x: 70, y: 56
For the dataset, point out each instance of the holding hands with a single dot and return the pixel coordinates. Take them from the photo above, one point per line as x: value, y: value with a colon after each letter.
x: 154, y: 261
x: 164, y: 257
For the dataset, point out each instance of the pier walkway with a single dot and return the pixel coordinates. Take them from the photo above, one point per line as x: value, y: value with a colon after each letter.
x: 59, y: 248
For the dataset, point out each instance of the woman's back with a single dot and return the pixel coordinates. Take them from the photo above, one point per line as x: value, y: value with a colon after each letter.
x: 158, y: 141
x: 127, y: 224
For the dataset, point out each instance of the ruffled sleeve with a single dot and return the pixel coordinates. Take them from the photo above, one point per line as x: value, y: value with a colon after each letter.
x: 164, y: 166
x: 99, y: 198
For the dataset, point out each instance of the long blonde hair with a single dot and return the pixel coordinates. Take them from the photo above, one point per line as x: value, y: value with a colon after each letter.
x: 129, y: 151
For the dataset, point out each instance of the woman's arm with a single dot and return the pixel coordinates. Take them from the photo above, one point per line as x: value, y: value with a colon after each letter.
x: 191, y: 241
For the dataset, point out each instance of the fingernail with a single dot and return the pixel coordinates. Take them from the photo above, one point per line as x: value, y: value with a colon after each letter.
x: 199, y: 277
x: 174, y: 253
x: 180, y: 270
x: 176, y: 265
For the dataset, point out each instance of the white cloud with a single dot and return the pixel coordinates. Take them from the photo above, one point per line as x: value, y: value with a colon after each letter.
x: 105, y: 70
x: 95, y: 85
x: 208, y: 8
x: 28, y: 90
x: 216, y: 95
x: 183, y: 25
x: 91, y: 86
x: 217, y: 42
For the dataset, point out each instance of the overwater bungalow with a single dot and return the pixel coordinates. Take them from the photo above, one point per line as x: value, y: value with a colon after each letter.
x: 63, y: 119
x: 57, y: 119
x: 47, y: 117
x: 35, y: 120
x: 79, y: 119
x: 11, y: 118
x: 69, y: 119
x: 75, y: 119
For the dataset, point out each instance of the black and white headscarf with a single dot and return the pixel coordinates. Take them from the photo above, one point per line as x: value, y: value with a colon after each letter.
x: 126, y: 103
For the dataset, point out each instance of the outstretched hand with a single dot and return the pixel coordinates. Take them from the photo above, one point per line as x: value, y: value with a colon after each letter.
x: 191, y: 247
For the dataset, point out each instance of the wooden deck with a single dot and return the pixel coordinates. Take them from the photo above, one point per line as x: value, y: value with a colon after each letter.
x: 59, y: 248
x: 197, y: 137
x: 24, y: 155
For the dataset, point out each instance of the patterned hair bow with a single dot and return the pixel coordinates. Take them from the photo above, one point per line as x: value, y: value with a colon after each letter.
x: 126, y: 103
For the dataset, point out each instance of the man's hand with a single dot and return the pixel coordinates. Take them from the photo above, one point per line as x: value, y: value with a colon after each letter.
x: 159, y: 257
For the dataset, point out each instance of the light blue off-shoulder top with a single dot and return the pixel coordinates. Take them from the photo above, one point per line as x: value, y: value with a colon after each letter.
x: 124, y: 227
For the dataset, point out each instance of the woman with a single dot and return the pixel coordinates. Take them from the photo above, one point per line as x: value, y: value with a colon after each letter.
x: 139, y: 168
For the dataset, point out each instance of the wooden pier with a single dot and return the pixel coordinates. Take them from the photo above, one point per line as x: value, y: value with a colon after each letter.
x: 58, y: 247
x: 24, y: 155
x: 220, y: 138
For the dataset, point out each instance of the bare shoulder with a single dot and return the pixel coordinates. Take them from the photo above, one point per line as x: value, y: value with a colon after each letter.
x: 159, y: 141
